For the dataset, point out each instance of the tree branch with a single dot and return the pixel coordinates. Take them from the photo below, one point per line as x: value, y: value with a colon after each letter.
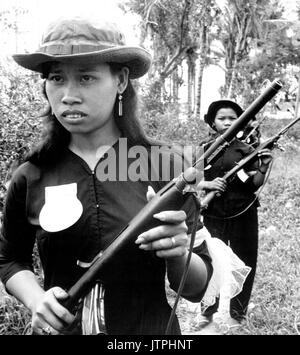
x: 166, y: 71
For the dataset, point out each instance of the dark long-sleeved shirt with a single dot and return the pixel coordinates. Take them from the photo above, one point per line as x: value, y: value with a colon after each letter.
x: 238, y: 194
x: 135, y: 299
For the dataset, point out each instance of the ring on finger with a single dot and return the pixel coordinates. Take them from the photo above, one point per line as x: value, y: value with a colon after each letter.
x: 46, y: 330
x: 173, y: 242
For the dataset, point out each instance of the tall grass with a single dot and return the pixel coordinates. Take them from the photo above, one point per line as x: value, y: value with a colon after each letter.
x: 276, y: 293
x: 14, y: 318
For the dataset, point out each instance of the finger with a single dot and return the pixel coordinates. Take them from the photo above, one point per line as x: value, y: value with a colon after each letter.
x: 45, y: 319
x: 222, y: 183
x: 61, y: 311
x: 220, y: 186
x: 150, y: 193
x: 221, y: 180
x: 174, y: 217
x: 252, y: 172
x: 265, y: 153
x: 167, y: 243
x: 172, y: 253
x: 221, y: 189
x: 45, y: 329
x: 58, y: 314
x: 163, y: 231
x: 264, y: 156
x: 265, y: 150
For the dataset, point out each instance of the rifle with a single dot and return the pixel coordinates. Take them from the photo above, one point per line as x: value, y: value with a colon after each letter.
x: 270, y: 143
x: 171, y: 197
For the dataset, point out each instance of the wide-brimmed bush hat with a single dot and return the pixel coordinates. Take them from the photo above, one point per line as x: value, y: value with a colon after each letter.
x: 78, y: 40
x: 215, y: 106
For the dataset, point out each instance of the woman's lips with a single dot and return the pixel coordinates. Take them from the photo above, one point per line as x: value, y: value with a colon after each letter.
x: 73, y: 116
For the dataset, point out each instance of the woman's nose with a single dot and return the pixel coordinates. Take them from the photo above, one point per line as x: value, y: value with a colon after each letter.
x: 71, y: 95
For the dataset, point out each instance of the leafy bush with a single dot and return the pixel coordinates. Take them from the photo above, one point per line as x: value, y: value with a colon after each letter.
x: 272, y: 126
x: 174, y: 127
x: 20, y: 105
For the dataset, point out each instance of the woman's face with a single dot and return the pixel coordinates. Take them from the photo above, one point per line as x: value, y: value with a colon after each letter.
x: 224, y: 119
x: 82, y: 96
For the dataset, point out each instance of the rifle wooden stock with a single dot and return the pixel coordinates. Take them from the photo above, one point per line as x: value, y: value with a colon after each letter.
x: 268, y: 144
x: 171, y: 197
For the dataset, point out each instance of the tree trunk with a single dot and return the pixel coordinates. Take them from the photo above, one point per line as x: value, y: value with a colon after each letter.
x: 233, y: 73
x: 191, y: 79
x: 240, y: 47
x: 202, y: 62
x: 175, y: 86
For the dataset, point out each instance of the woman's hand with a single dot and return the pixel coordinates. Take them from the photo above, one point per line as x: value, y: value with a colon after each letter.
x: 218, y: 184
x: 49, y: 317
x: 265, y: 157
x: 168, y: 240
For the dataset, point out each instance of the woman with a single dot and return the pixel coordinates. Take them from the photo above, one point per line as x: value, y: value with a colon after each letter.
x: 232, y: 216
x: 63, y: 198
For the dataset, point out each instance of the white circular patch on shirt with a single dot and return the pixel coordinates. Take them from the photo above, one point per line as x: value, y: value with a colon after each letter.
x: 61, y: 209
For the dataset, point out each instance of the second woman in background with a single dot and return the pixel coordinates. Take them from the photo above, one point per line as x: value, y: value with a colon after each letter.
x: 232, y: 216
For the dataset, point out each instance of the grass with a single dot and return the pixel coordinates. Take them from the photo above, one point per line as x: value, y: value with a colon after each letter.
x: 275, y: 302
x: 277, y: 288
x: 14, y: 318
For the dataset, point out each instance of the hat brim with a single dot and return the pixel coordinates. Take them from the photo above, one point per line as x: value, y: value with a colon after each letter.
x: 137, y: 59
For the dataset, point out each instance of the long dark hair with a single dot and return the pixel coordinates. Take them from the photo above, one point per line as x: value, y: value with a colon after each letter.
x: 55, y: 138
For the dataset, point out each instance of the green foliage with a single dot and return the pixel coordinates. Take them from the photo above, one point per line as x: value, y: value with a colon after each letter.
x: 20, y: 104
x: 270, y: 127
x: 8, y: 18
x: 175, y: 34
x: 173, y: 126
x: 272, y: 59
x: 15, y: 319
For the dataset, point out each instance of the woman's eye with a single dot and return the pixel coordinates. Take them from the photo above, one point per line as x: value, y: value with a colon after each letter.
x: 224, y: 118
x: 86, y: 78
x: 55, y: 78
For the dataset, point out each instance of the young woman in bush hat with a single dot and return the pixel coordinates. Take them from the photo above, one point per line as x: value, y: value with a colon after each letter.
x: 232, y: 216
x: 57, y: 199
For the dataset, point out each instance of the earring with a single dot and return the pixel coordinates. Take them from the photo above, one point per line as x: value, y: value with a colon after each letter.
x: 120, y: 105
